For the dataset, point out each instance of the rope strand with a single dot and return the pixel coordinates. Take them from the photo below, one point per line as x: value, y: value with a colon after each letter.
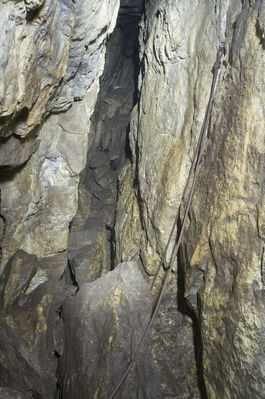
x: 195, y: 167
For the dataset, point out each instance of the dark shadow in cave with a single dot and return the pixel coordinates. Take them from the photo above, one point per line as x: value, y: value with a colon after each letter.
x: 109, y: 152
x: 185, y: 308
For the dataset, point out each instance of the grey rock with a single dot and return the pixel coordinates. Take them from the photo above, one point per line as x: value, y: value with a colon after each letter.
x: 29, y: 76
x: 103, y: 325
x: 221, y: 263
x: 30, y: 336
x: 93, y: 23
x: 90, y: 238
x: 7, y: 393
x: 32, y: 5
x: 15, y: 151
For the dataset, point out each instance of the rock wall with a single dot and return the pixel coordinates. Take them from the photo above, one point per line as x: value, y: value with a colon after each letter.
x: 39, y: 199
x: 83, y: 192
x: 219, y: 271
x: 52, y: 56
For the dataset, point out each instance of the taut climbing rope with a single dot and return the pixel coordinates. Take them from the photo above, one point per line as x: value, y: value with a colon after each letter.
x: 195, y: 168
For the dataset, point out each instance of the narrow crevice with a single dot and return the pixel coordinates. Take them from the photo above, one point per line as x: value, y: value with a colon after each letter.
x: 2, y: 230
x: 185, y: 308
x: 260, y: 34
x: 59, y: 382
x: 109, y: 152
x: 91, y: 247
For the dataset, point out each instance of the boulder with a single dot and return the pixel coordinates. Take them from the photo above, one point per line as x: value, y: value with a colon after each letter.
x: 103, y: 325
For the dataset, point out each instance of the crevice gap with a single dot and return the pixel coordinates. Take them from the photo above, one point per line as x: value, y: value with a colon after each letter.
x: 185, y: 308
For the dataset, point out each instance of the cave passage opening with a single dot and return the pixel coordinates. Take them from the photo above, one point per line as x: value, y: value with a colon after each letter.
x: 91, y: 249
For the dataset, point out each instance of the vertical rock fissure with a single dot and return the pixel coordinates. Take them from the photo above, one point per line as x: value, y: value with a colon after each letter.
x: 91, y: 250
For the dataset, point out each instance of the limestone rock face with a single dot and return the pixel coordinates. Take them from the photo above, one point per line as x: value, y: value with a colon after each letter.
x: 33, y: 4
x: 220, y: 269
x: 226, y: 253
x: 34, y: 54
x: 108, y: 316
x: 46, y: 49
x: 40, y: 199
x: 94, y: 21
x: 7, y: 393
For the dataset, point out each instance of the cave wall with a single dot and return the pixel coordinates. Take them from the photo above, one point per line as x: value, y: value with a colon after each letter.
x: 92, y: 176
x: 52, y: 56
x: 219, y: 271
x: 39, y: 199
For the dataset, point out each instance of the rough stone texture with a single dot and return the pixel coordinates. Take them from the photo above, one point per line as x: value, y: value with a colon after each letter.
x: 39, y: 199
x: 17, y: 276
x: 94, y: 21
x: 103, y: 325
x: 91, y: 229
x: 52, y: 54
x: 30, y: 335
x: 224, y: 240
x: 32, y: 5
x: 129, y: 9
x: 45, y: 48
x: 7, y: 393
x: 33, y: 54
x: 15, y: 151
x: 226, y: 252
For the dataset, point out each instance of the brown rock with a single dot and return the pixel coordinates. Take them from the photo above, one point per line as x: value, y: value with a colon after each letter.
x: 17, y: 276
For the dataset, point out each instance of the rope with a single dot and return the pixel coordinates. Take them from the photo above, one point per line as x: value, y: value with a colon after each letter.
x: 195, y: 167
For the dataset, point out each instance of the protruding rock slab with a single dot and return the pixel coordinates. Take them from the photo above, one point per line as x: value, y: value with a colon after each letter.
x: 17, y: 276
x: 34, y: 48
x: 30, y: 337
x: 104, y: 324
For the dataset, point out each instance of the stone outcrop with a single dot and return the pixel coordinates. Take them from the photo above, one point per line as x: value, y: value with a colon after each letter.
x: 103, y: 325
x: 17, y: 276
x: 31, y: 333
x: 34, y: 54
